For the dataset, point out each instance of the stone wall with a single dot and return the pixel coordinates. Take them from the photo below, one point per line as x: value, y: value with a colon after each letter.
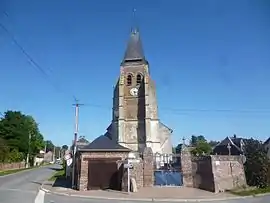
x: 136, y: 172
x: 11, y: 166
x: 217, y: 173
x: 148, y: 167
x: 142, y: 171
x: 186, y: 167
x: 228, y: 172
x: 202, y: 173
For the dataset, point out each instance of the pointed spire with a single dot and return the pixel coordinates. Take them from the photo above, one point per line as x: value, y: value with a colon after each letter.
x: 134, y: 51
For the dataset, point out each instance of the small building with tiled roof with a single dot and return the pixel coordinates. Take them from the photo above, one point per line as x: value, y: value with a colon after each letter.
x: 98, y: 164
x: 230, y: 146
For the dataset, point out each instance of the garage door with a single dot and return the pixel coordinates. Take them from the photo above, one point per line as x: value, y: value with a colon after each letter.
x: 103, y: 174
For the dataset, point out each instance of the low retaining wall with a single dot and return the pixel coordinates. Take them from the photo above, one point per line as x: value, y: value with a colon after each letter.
x: 11, y: 166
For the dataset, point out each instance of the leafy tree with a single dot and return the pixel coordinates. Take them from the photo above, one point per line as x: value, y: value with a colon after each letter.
x: 49, y: 146
x: 195, y: 139
x: 202, y: 147
x: 257, y: 164
x: 4, y: 150
x: 178, y: 148
x: 65, y: 147
x: 213, y: 143
x: 15, y: 130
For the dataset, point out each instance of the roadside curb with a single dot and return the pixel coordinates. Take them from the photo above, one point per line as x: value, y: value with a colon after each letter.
x: 151, y: 199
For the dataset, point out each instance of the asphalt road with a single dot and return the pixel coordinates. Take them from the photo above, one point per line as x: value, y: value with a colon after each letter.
x: 65, y: 199
x: 23, y: 187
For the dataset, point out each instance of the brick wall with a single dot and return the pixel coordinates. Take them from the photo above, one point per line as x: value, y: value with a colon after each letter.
x: 11, y: 166
x: 136, y: 172
x: 142, y: 171
x: 85, y: 156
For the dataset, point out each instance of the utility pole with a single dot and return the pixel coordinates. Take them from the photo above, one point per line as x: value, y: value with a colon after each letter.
x: 28, y: 154
x: 53, y: 154
x: 45, y: 148
x: 77, y: 105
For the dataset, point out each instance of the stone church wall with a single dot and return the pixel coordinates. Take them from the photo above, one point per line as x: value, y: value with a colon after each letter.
x: 217, y: 173
x: 228, y: 172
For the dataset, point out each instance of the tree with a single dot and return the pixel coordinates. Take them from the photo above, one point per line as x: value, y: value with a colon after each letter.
x: 4, y: 150
x: 257, y: 164
x: 178, y: 148
x: 213, y: 143
x: 201, y: 147
x: 65, y: 147
x: 49, y: 145
x: 16, y: 129
x: 195, y: 139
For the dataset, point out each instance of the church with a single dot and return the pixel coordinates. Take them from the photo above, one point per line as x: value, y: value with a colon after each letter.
x: 135, y: 122
x: 135, y: 127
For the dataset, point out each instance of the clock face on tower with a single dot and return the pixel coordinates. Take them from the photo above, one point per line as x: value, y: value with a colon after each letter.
x: 134, y: 91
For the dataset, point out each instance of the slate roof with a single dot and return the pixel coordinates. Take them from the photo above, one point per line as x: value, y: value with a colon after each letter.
x: 266, y: 142
x: 232, y: 140
x: 235, y: 141
x: 104, y: 144
x: 134, y: 51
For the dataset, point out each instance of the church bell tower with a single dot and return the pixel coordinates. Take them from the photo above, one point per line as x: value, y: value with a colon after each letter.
x: 135, y: 122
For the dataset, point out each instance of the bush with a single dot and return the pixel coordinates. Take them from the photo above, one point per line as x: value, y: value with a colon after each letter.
x: 257, y: 164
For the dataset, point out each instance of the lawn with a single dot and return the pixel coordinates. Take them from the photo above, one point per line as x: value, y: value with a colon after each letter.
x: 3, y: 173
x: 57, y: 174
x: 251, y: 191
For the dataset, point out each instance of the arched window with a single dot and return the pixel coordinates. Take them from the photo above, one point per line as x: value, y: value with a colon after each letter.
x: 129, y: 80
x: 139, y: 79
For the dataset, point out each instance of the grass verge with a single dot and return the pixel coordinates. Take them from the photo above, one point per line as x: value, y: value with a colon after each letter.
x: 57, y: 174
x: 7, y: 172
x: 251, y: 191
x: 3, y: 173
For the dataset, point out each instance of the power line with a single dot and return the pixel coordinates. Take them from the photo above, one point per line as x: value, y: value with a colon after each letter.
x: 178, y: 111
x: 33, y: 63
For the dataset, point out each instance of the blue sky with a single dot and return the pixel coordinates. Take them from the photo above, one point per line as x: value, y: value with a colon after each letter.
x: 205, y: 57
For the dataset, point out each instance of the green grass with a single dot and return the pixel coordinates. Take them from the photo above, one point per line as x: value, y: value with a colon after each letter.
x: 3, y: 173
x: 57, y: 174
x: 7, y: 172
x: 251, y: 191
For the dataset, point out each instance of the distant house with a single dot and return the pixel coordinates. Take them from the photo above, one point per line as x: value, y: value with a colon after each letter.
x: 267, y: 146
x: 230, y: 146
x: 82, y: 141
x: 48, y: 157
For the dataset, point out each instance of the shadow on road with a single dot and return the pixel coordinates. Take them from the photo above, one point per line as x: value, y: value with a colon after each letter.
x: 62, y: 181
x: 55, y: 169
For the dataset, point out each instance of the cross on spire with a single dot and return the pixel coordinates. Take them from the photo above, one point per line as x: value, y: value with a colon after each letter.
x: 134, y: 28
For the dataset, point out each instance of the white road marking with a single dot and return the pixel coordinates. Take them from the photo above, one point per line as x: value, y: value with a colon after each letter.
x: 40, y: 197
